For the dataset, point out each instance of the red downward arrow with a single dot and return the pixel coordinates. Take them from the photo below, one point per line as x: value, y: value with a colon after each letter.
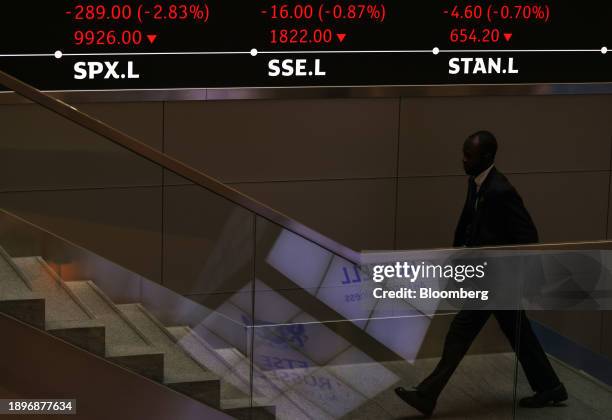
x: 152, y: 38
x: 508, y: 36
x: 341, y: 37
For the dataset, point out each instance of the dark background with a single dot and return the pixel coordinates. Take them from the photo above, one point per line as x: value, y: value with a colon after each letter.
x: 43, y: 27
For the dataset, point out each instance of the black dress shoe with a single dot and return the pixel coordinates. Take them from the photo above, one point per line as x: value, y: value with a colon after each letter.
x: 545, y: 398
x: 417, y: 400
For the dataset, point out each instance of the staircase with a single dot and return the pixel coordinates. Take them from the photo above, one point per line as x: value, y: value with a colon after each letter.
x: 126, y: 334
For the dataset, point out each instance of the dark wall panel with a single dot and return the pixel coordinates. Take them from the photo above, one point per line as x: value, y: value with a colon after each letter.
x: 535, y: 134
x: 564, y: 206
x: 141, y: 120
x: 41, y: 150
x: 208, y: 242
x: 239, y: 141
x: 357, y: 213
x: 428, y: 210
x: 122, y: 225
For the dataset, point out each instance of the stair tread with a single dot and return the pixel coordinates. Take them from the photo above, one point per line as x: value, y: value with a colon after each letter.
x: 12, y: 297
x: 206, y: 356
x: 241, y: 403
x: 121, y: 337
x: 12, y: 287
x: 179, y: 367
x: 235, y: 377
x: 59, y: 304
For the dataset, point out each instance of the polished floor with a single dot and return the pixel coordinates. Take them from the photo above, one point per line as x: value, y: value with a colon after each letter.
x: 483, y: 388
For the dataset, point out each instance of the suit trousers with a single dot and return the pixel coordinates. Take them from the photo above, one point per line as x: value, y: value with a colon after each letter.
x: 516, y: 327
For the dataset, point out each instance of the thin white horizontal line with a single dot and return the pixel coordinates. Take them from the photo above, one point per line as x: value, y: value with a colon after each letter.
x: 27, y: 55
x: 167, y: 53
x: 159, y: 53
x: 345, y: 320
x: 522, y: 51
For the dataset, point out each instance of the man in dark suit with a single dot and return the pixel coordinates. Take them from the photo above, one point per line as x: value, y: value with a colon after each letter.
x: 493, y: 214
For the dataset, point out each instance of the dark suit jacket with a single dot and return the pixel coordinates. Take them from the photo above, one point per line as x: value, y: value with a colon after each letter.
x: 500, y: 219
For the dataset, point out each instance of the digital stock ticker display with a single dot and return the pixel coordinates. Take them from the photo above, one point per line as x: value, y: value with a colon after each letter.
x: 81, y: 45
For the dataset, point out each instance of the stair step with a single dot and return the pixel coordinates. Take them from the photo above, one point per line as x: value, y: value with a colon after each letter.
x: 241, y: 368
x: 66, y: 316
x: 125, y: 345
x: 181, y: 372
x: 16, y: 296
x: 61, y: 304
x: 89, y: 334
x: 233, y: 385
x: 30, y: 311
x: 241, y: 409
x: 234, y: 373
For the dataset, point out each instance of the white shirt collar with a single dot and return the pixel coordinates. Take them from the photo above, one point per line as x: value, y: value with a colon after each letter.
x: 482, y: 176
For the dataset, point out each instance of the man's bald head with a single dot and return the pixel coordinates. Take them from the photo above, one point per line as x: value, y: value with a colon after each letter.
x: 479, y: 151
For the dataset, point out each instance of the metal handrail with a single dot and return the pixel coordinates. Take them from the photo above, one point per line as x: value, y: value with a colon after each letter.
x: 173, y: 165
x: 587, y: 245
